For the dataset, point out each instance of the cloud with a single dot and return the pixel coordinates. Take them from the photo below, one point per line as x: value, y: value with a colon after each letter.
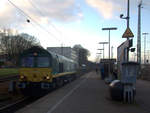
x: 108, y: 8
x: 43, y: 11
x: 104, y: 7
x: 64, y: 10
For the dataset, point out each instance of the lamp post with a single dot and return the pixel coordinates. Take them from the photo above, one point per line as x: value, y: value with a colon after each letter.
x: 103, y: 48
x: 110, y: 28
x: 144, y: 46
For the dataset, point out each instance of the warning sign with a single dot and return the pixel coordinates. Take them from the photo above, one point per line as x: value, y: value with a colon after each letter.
x: 128, y: 33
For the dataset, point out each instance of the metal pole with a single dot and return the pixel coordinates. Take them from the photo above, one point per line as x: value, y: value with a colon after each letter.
x: 148, y: 55
x: 112, y: 28
x: 103, y: 51
x: 109, y: 44
x: 62, y: 49
x: 134, y: 57
x: 112, y: 52
x: 103, y: 48
x: 127, y: 18
x: 139, y: 35
x: 145, y: 46
x: 128, y: 13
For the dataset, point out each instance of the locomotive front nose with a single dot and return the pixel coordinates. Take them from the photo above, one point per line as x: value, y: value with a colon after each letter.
x: 35, y: 75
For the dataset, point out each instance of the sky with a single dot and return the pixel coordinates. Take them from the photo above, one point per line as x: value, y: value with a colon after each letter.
x: 70, y: 22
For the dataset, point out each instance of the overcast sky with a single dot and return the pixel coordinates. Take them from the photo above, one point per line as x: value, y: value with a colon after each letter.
x: 69, y: 22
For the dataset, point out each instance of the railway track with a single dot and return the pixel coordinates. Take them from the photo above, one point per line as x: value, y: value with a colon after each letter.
x: 13, y: 107
x: 21, y: 102
x: 10, y: 108
x: 8, y: 78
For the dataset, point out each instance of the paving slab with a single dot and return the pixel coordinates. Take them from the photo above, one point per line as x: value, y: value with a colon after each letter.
x: 143, y: 94
x: 88, y: 94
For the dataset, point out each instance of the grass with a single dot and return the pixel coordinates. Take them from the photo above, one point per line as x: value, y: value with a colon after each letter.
x: 8, y: 71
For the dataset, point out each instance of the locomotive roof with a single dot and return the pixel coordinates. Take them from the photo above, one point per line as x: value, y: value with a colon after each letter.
x: 60, y: 57
x: 35, y: 49
x: 40, y: 50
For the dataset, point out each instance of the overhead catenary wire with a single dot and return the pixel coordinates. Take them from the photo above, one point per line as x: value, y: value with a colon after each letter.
x: 33, y: 20
x: 42, y: 14
x: 35, y: 6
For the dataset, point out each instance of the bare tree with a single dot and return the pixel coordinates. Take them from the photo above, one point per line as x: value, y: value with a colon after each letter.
x: 83, y: 54
x: 13, y: 46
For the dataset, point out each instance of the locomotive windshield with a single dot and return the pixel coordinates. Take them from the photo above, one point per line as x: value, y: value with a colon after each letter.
x: 27, y: 62
x: 43, y: 62
x: 35, y: 62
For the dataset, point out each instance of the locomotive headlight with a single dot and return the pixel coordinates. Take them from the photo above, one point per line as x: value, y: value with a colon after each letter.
x: 22, y: 77
x: 47, y: 77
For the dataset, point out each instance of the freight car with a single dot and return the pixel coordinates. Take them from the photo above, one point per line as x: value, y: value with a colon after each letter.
x: 43, y: 70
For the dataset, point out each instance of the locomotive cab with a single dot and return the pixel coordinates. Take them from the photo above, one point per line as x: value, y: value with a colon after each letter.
x: 40, y: 69
x: 35, y: 69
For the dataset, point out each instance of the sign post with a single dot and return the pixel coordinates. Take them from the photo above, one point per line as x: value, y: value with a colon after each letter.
x: 128, y: 70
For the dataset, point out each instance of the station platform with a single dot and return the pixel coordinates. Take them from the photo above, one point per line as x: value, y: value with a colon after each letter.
x: 87, y: 94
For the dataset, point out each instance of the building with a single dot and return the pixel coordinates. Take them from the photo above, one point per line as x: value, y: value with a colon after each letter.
x: 64, y: 51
